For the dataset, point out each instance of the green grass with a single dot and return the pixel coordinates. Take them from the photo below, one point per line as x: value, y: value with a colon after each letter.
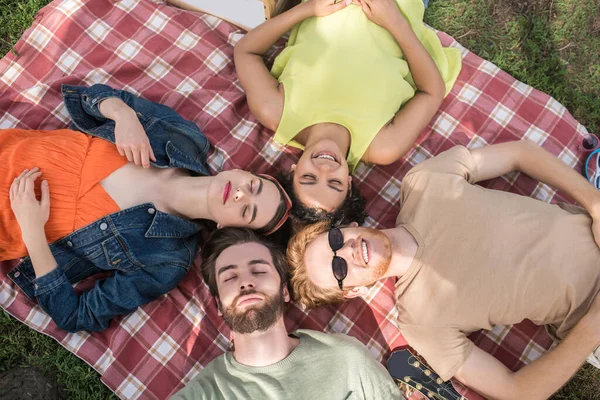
x: 553, y: 45
x: 20, y: 346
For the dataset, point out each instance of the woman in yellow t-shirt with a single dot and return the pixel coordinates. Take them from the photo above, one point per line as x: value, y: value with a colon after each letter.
x: 357, y: 82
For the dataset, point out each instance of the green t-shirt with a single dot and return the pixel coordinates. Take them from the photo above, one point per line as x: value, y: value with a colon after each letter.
x: 322, y: 366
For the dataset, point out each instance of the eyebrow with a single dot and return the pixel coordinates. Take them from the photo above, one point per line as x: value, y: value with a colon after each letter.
x: 260, y: 186
x: 233, y: 266
x: 259, y: 261
x: 226, y: 268
x: 253, y: 213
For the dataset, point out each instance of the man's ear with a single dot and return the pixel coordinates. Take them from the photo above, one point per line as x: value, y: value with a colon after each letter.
x: 350, y: 181
x: 219, y: 313
x: 219, y: 226
x: 286, y: 295
x: 356, y: 292
x: 293, y: 168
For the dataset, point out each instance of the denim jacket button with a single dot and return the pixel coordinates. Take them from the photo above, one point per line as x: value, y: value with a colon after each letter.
x: 69, y: 243
x: 151, y: 211
x: 17, y: 274
x: 103, y: 226
x: 36, y: 286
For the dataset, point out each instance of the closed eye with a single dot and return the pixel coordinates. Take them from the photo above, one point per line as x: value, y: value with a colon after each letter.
x: 230, y: 279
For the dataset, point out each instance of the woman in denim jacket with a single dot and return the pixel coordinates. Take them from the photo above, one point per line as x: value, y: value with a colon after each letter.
x: 131, y: 209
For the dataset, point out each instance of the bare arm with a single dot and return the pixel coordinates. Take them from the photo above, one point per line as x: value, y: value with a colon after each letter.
x: 541, y: 378
x: 396, y: 138
x: 32, y: 215
x: 525, y: 156
x: 264, y: 95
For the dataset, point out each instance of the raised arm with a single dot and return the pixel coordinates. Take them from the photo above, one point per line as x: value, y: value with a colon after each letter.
x: 527, y: 157
x: 265, y: 96
x: 396, y: 138
x: 541, y: 378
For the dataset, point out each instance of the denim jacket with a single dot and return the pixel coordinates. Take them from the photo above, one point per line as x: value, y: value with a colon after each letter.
x: 148, y: 251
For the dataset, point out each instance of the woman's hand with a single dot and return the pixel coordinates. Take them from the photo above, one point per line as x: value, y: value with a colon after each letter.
x: 31, y: 214
x: 132, y: 142
x: 130, y: 138
x: 322, y: 8
x: 384, y: 13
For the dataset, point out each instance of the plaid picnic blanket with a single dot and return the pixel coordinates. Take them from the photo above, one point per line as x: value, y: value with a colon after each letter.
x: 185, y: 60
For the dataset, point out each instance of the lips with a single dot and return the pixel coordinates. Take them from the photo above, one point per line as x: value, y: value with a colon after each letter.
x: 226, y: 192
x: 249, y: 299
x: 365, y: 251
x: 326, y: 155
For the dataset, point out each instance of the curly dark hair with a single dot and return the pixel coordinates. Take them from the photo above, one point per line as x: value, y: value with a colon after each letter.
x: 352, y: 208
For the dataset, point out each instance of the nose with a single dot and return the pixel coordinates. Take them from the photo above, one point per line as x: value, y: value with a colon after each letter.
x: 347, y: 250
x: 246, y: 284
x: 240, y: 194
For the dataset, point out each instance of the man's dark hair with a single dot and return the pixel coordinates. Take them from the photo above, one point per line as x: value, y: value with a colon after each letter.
x: 224, y: 238
x: 352, y: 208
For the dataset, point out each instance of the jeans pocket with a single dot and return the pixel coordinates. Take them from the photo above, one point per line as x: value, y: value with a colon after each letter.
x: 118, y: 256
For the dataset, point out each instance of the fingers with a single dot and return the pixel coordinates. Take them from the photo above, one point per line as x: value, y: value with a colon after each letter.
x: 137, y: 157
x: 45, y: 202
x: 129, y: 155
x: 342, y: 4
x: 145, y: 159
x: 30, y: 181
x: 14, y: 187
x: 138, y: 154
x: 365, y: 7
x: 24, y: 183
x: 24, y: 179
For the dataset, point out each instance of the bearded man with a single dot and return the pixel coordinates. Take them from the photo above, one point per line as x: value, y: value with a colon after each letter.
x: 248, y: 276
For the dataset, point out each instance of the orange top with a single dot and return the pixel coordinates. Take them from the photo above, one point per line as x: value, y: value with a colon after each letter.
x: 73, y: 163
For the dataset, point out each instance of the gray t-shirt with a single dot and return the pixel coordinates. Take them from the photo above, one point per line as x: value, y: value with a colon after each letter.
x: 322, y: 366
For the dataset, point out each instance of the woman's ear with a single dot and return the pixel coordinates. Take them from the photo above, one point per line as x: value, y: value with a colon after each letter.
x: 293, y: 168
x: 356, y: 292
x: 349, y: 180
x: 219, y: 226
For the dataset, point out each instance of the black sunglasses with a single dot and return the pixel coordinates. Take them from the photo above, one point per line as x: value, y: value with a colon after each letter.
x: 338, y: 265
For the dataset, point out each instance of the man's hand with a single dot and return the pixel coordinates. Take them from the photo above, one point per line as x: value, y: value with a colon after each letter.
x: 31, y: 214
x: 130, y: 138
x: 322, y: 8
x: 384, y: 13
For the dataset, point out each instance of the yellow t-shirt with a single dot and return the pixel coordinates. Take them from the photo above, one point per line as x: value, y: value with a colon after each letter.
x: 486, y: 258
x: 345, y: 69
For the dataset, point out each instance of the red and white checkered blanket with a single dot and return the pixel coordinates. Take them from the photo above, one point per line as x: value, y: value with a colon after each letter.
x: 185, y: 60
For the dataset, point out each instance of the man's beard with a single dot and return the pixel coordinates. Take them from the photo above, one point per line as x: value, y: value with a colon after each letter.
x: 379, y: 269
x: 254, y: 318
